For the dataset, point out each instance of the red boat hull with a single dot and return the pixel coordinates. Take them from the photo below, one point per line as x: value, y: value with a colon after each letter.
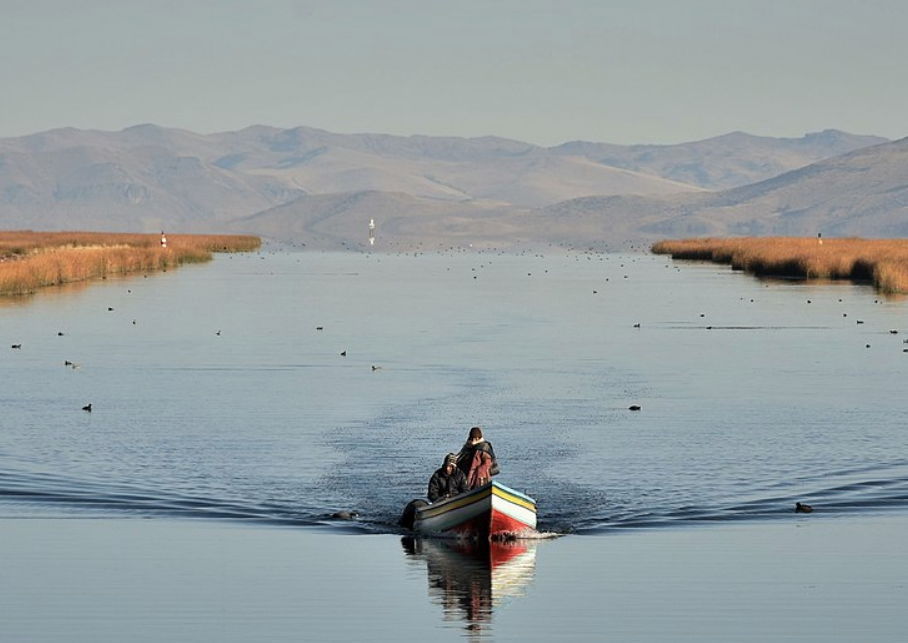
x: 490, y: 512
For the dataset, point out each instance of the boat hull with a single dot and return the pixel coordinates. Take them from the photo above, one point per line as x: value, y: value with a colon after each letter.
x: 492, y: 511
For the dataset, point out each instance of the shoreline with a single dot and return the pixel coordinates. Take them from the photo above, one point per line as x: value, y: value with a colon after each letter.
x: 882, y: 262
x: 32, y: 261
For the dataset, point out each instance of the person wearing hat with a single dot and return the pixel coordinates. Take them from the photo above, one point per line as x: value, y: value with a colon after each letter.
x: 477, y: 459
x: 447, y: 481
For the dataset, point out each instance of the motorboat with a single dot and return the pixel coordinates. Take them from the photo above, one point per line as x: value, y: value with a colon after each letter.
x: 492, y: 511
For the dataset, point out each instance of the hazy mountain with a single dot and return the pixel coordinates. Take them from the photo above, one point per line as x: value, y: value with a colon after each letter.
x: 433, y: 167
x: 402, y: 221
x: 862, y: 193
x: 139, y: 179
x: 306, y: 183
x: 147, y: 177
x: 725, y: 161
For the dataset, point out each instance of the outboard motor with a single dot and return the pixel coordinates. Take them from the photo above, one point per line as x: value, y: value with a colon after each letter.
x: 409, y: 514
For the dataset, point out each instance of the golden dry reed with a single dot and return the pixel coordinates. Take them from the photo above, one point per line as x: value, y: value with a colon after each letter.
x: 32, y: 260
x: 884, y: 262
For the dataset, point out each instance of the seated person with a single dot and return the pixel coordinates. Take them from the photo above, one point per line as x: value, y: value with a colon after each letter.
x: 448, y: 481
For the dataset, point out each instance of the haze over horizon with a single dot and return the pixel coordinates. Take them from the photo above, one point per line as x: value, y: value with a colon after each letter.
x: 538, y: 71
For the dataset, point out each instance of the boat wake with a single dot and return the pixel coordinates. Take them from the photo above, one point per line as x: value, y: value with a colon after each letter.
x: 853, y: 494
x: 57, y: 494
x: 567, y: 509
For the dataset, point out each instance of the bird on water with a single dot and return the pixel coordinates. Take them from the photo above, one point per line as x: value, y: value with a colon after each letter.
x: 801, y: 508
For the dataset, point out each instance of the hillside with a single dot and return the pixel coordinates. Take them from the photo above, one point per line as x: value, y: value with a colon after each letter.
x: 403, y: 222
x: 726, y: 161
x: 862, y: 193
x: 321, y: 188
x: 146, y: 177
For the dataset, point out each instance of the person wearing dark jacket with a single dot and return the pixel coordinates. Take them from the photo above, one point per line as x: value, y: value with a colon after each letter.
x: 448, y: 481
x: 477, y: 459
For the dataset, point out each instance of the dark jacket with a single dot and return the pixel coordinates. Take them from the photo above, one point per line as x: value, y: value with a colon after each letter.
x: 442, y: 485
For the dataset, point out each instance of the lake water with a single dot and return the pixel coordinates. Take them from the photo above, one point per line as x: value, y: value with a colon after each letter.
x: 220, y: 394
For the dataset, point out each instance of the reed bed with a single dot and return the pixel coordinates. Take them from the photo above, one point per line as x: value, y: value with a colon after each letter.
x: 32, y: 260
x: 883, y: 262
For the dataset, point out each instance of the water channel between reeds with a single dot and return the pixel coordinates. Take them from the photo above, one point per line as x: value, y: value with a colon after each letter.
x: 238, y: 405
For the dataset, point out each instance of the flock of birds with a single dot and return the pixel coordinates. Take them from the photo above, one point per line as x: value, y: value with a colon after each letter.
x: 88, y: 407
x: 800, y: 508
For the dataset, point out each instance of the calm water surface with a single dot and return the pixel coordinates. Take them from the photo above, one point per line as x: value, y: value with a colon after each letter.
x: 219, y: 392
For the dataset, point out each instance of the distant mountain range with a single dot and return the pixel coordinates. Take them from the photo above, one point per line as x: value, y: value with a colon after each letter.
x: 319, y: 188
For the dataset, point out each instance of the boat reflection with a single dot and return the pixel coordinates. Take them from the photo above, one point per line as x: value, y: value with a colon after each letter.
x: 470, y: 580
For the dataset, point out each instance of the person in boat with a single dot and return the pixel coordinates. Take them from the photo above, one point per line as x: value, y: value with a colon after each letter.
x: 448, y: 481
x: 477, y: 459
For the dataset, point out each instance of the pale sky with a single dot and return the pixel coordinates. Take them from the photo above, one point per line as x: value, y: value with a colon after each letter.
x: 540, y: 71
